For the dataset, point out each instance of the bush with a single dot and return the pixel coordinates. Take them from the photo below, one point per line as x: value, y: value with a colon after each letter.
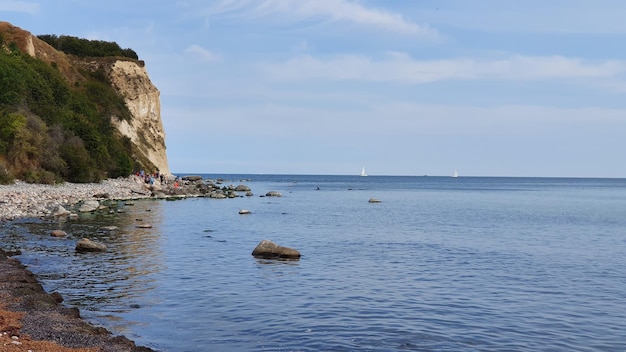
x: 5, y: 176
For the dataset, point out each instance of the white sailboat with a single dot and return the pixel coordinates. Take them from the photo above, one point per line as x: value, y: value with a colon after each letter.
x: 363, y: 172
x: 455, y: 174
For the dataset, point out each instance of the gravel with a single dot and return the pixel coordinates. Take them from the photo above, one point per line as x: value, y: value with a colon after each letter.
x: 21, y: 200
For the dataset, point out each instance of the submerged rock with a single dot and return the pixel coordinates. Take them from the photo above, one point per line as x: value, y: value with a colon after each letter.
x: 374, y: 200
x: 269, y: 249
x: 273, y: 194
x: 58, y: 233
x: 245, y: 211
x: 87, y: 245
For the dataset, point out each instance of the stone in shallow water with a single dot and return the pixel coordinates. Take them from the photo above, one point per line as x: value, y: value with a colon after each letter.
x: 89, y: 206
x: 269, y: 249
x: 60, y: 211
x: 87, y: 245
x: 58, y: 233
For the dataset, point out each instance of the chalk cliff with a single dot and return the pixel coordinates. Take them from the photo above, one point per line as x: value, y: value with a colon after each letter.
x: 145, y: 130
x: 130, y: 80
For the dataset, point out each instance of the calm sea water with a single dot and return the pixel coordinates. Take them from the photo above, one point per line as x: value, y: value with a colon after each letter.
x: 441, y: 264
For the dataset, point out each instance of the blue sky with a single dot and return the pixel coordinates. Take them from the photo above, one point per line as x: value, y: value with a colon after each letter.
x: 487, y: 87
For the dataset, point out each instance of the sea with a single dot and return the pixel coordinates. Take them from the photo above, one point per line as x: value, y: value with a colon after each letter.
x: 439, y: 264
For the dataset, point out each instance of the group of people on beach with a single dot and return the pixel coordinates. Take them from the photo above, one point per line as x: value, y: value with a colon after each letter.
x: 151, y: 178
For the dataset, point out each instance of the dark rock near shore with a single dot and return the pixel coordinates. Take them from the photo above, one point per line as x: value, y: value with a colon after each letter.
x: 242, y: 188
x: 57, y: 297
x: 192, y: 178
x: 273, y: 194
x: 270, y: 250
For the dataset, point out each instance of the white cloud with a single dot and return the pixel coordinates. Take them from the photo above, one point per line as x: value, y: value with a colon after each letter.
x: 19, y: 6
x: 332, y: 10
x: 201, y: 53
x: 401, y: 68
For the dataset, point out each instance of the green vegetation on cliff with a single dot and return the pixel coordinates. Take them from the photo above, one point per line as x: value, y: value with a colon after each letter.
x: 53, y: 130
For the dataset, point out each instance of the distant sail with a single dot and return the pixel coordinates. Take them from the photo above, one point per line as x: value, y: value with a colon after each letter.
x: 363, y: 172
x: 455, y: 174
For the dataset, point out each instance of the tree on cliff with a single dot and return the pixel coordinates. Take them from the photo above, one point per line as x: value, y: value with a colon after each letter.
x: 86, y: 48
x: 53, y: 130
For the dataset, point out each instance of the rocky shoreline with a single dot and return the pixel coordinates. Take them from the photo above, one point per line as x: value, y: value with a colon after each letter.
x: 33, y: 320
x: 25, y: 200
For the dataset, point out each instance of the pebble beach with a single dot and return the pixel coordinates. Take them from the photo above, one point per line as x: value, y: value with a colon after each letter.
x: 21, y: 200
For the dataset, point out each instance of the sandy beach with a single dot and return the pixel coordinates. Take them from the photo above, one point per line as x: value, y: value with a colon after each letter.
x: 30, y: 318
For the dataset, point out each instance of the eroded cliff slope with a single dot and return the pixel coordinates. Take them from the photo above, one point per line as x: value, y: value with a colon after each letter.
x: 129, y: 79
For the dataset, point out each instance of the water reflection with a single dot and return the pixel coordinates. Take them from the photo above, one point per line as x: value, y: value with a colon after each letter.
x: 281, y: 261
x: 103, y: 285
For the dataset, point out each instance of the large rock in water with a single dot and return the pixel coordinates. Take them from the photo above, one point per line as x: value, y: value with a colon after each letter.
x: 89, y: 206
x: 269, y: 249
x: 87, y: 245
x: 192, y: 178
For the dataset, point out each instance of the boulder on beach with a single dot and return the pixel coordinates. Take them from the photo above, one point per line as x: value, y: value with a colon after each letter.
x: 270, y: 250
x: 273, y: 194
x: 89, y: 206
x: 87, y: 245
x: 102, y: 195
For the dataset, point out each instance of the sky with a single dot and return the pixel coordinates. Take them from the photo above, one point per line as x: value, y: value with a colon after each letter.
x: 402, y: 87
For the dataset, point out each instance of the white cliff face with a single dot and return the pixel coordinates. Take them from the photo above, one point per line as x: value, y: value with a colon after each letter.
x: 145, y: 129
